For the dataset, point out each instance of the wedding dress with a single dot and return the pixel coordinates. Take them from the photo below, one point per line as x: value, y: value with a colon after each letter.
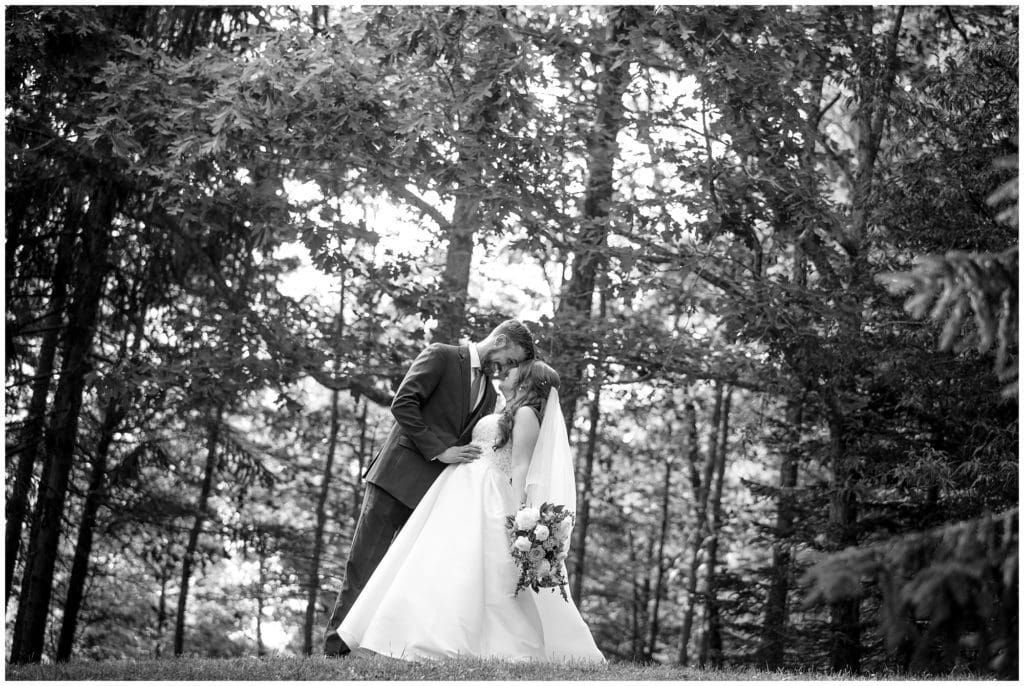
x: 445, y: 587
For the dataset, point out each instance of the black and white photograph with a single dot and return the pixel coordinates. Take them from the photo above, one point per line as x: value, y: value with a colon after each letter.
x: 515, y: 343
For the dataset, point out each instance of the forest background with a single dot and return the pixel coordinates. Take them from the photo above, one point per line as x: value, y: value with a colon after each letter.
x: 772, y: 251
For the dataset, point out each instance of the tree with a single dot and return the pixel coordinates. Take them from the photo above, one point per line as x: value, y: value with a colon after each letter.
x: 692, y: 199
x: 711, y: 637
x: 700, y: 482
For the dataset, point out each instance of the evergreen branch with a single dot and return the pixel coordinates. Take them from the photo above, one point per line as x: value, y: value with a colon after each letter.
x: 948, y: 288
x: 838, y: 576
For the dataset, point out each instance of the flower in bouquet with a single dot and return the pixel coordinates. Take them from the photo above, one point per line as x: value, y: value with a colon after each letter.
x: 527, y: 518
x: 539, y: 538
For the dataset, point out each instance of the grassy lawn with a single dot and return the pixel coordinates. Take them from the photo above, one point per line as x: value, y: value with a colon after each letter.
x: 369, y: 667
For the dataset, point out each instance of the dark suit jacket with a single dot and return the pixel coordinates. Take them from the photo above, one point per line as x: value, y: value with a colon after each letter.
x: 432, y: 413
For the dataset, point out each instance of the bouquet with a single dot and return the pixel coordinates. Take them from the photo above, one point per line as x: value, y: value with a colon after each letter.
x: 539, y: 544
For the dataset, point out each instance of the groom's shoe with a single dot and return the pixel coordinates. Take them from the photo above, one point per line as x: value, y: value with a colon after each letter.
x: 335, y: 647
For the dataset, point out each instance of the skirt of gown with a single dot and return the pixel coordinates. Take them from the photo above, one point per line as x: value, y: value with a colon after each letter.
x: 445, y: 588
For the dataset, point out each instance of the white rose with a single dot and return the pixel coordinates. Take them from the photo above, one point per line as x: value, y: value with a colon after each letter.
x: 543, y: 568
x: 522, y: 544
x: 527, y: 518
x: 541, y: 533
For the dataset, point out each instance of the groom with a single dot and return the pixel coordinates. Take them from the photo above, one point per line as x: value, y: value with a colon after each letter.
x: 443, y: 395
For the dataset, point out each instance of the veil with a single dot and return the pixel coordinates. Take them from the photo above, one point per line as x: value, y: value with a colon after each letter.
x: 551, y: 478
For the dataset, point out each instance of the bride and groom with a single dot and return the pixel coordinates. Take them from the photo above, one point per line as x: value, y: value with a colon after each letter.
x: 430, y: 573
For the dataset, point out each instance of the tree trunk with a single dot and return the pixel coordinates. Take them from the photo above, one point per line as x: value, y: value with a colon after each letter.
x: 659, y: 580
x: 575, y: 308
x: 473, y: 127
x: 321, y: 523
x: 583, y: 510
x: 844, y: 616
x: 772, y: 651
x: 701, y: 488
x: 711, y: 641
x: 776, y: 617
x: 692, y: 456
x: 212, y: 441
x: 44, y: 539
x: 321, y: 502
x: 458, y: 262
x: 161, y: 615
x: 30, y: 439
x: 873, y: 92
x: 634, y: 633
x: 644, y: 604
x: 261, y: 580
x: 365, y: 450
x: 113, y: 416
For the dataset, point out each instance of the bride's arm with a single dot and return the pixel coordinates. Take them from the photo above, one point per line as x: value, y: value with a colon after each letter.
x: 525, y: 428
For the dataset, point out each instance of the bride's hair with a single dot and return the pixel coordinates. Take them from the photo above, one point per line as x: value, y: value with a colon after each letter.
x: 533, y: 385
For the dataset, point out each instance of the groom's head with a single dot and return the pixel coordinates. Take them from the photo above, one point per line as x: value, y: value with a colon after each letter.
x: 510, y: 343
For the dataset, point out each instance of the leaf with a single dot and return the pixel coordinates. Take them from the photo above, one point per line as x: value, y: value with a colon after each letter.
x: 949, y: 294
x: 917, y: 305
x: 218, y: 122
x: 953, y: 325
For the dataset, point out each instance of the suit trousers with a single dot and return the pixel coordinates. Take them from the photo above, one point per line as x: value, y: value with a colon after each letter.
x: 380, y: 518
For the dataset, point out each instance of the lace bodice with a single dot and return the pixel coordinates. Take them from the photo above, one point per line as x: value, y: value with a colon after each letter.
x: 485, y: 433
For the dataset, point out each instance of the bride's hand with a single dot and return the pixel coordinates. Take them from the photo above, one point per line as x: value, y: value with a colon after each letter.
x: 458, y: 454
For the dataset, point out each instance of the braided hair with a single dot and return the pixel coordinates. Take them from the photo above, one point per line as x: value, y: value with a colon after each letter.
x: 535, y: 380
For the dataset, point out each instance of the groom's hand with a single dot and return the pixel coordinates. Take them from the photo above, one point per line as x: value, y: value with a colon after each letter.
x: 459, y: 453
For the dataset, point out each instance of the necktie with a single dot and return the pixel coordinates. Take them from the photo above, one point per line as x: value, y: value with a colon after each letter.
x: 474, y: 391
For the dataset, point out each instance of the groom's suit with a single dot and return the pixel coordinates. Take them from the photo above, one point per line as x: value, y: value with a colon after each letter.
x: 433, y: 411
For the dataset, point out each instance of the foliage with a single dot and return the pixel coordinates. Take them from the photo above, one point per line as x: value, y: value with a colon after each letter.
x: 294, y: 185
x: 944, y: 591
x: 946, y: 288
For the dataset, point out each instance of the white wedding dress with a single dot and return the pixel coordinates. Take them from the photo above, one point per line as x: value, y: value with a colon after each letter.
x: 445, y: 587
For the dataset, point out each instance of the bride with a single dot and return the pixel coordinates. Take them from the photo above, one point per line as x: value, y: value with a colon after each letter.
x: 446, y: 586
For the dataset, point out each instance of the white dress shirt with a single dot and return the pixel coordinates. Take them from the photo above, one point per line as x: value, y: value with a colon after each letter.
x: 477, y: 368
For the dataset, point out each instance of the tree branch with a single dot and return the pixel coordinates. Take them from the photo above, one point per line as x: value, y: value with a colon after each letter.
x: 812, y: 245
x: 888, y: 78
x: 840, y: 163
x: 396, y: 187
x: 358, y: 385
x: 949, y: 15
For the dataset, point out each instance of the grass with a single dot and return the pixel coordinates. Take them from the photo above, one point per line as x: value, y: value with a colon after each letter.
x: 362, y: 666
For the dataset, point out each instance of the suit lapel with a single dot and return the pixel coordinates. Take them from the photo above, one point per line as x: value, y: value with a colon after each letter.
x: 490, y: 395
x: 485, y: 407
